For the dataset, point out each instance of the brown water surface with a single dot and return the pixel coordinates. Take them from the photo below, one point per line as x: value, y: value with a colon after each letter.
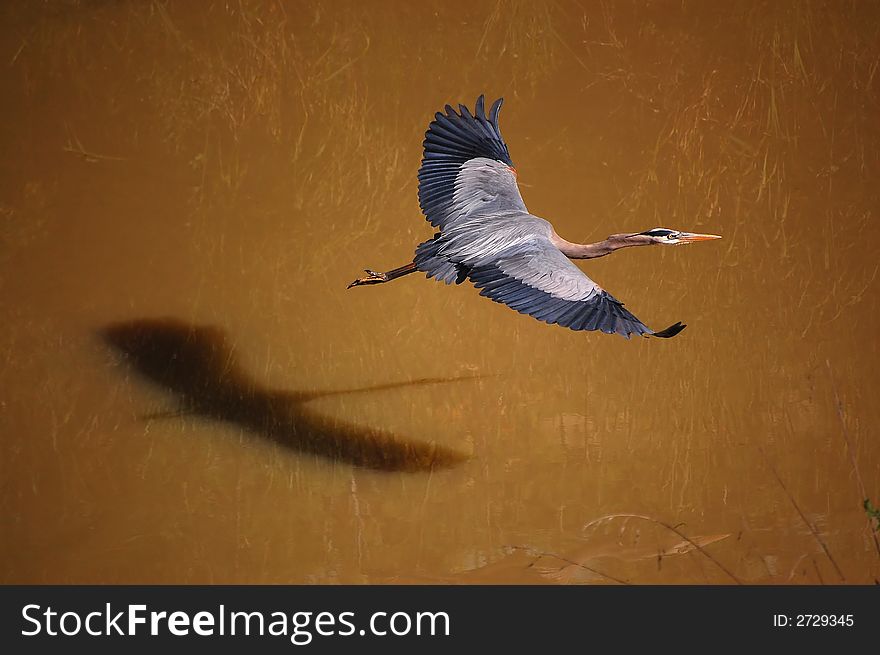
x: 190, y: 394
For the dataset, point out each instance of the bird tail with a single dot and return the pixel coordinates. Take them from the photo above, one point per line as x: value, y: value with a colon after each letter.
x: 429, y: 260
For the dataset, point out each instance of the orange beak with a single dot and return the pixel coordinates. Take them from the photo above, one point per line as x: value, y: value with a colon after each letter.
x: 688, y: 237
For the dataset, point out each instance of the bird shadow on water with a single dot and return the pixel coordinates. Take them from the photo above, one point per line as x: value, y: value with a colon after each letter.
x: 197, y: 364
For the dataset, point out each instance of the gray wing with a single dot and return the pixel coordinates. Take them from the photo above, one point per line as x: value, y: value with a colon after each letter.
x: 466, y: 167
x: 534, y: 278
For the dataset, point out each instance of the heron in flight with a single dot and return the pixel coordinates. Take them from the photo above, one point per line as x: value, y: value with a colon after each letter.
x: 468, y: 192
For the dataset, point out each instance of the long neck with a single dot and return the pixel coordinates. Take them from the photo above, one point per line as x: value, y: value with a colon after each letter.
x: 600, y: 248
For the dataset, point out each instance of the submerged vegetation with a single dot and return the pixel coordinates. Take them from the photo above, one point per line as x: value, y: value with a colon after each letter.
x: 872, y: 513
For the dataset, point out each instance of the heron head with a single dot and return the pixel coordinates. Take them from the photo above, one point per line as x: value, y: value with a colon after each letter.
x: 675, y: 237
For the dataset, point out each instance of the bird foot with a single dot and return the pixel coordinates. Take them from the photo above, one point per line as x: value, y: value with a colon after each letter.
x: 372, y: 277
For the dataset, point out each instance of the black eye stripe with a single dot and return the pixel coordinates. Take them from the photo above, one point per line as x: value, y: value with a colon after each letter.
x: 658, y: 233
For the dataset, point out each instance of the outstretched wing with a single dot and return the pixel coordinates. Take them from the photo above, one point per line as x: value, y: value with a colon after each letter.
x: 534, y: 278
x: 466, y: 167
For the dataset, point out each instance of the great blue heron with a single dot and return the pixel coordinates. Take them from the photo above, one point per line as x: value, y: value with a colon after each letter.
x: 468, y: 191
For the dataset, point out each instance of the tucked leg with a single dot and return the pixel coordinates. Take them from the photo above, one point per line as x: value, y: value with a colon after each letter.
x: 372, y: 277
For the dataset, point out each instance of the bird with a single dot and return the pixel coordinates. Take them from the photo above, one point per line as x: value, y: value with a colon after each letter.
x: 485, y: 234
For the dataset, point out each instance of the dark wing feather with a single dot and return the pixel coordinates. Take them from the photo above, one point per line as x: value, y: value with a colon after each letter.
x: 452, y: 140
x: 536, y: 279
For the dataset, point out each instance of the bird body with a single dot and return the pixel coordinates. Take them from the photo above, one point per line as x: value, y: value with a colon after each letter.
x: 468, y: 191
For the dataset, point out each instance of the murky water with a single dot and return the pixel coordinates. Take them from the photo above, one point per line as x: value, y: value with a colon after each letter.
x: 186, y: 189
